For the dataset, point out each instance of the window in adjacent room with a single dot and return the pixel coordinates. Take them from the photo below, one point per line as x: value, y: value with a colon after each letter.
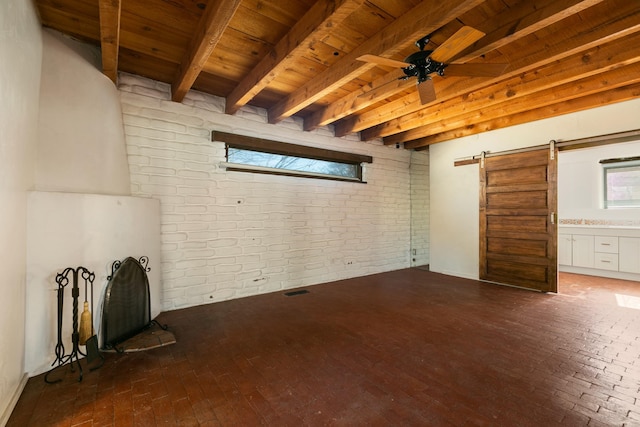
x: 258, y: 155
x: 621, y: 182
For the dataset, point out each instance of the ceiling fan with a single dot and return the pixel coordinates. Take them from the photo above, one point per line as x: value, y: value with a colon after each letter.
x: 423, y: 63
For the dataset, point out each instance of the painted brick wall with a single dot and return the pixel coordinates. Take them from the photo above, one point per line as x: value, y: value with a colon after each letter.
x: 419, y: 208
x: 232, y: 234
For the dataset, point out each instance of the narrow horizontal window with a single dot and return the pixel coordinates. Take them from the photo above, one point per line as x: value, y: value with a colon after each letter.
x: 621, y: 183
x: 258, y: 155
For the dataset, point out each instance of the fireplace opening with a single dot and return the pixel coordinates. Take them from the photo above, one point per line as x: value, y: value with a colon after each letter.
x: 127, y: 304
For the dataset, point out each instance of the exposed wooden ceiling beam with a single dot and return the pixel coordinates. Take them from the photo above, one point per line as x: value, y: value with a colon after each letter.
x: 514, y: 23
x: 565, y: 107
x: 524, y: 19
x: 546, y: 44
x: 554, y: 45
x: 315, y: 25
x: 370, y: 94
x: 590, y: 85
x: 464, y: 108
x: 213, y: 22
x: 110, y: 37
x: 422, y: 19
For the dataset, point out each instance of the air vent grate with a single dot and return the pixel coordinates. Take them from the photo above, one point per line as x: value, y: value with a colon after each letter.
x: 300, y: 292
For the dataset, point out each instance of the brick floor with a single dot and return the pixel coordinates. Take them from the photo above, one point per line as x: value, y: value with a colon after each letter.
x: 402, y: 348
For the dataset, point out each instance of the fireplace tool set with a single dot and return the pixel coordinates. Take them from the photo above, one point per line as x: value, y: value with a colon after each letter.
x: 83, y: 333
x: 126, y: 315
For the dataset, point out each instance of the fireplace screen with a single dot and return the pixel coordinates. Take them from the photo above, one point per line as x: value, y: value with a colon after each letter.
x: 127, y: 306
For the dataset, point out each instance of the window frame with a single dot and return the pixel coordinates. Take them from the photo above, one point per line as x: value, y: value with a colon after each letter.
x: 609, y: 165
x: 282, y: 148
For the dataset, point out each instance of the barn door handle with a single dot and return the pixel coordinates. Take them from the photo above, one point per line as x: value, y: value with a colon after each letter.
x: 552, y: 217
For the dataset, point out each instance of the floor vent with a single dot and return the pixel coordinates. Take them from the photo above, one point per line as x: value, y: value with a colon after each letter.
x: 300, y: 292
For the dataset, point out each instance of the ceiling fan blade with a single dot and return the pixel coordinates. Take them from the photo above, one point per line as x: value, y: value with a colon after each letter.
x: 475, y: 70
x: 382, y: 61
x: 427, y: 91
x: 462, y: 39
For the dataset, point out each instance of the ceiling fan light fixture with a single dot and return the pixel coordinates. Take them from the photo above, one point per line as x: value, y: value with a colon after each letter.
x: 423, y: 63
x: 418, y: 58
x: 423, y: 42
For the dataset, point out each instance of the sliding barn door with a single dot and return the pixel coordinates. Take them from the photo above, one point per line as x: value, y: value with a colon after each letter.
x: 518, y: 234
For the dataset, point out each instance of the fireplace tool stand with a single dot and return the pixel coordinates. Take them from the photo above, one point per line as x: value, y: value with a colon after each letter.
x: 71, y: 275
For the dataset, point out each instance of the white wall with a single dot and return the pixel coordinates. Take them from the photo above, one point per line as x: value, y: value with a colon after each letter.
x: 81, y: 213
x: 89, y: 230
x: 454, y: 190
x: 81, y: 145
x: 80, y: 208
x: 580, y: 186
x: 231, y: 234
x: 20, y: 60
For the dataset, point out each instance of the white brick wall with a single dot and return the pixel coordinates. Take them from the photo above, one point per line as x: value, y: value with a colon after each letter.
x: 232, y: 234
x: 419, y: 208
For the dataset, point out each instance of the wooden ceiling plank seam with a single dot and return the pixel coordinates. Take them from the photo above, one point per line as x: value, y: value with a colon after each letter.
x: 253, y: 24
x: 346, y: 39
x: 367, y: 21
x: 370, y: 94
x: 617, y: 77
x: 144, y: 27
x: 243, y: 45
x: 381, y: 115
x: 615, y: 26
x: 210, y: 28
x: 149, y: 46
x: 599, y: 99
x: 314, y: 25
x: 86, y: 9
x: 172, y: 16
x: 283, y: 13
x: 86, y: 29
x: 513, y: 24
x: 428, y: 16
x: 575, y: 67
x: 110, y: 11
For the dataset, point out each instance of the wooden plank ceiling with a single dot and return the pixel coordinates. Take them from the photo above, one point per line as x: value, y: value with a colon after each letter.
x: 299, y: 58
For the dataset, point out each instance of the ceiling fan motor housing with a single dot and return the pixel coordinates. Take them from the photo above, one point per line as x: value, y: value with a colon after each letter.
x: 422, y: 65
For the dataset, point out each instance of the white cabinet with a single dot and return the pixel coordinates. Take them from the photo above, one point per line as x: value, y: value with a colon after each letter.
x: 583, y: 255
x: 629, y: 254
x: 610, y: 252
x: 606, y: 252
x: 565, y: 250
x: 604, y: 261
x: 606, y: 244
x: 576, y: 250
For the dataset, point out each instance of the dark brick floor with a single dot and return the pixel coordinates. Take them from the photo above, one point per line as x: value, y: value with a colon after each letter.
x: 402, y: 348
